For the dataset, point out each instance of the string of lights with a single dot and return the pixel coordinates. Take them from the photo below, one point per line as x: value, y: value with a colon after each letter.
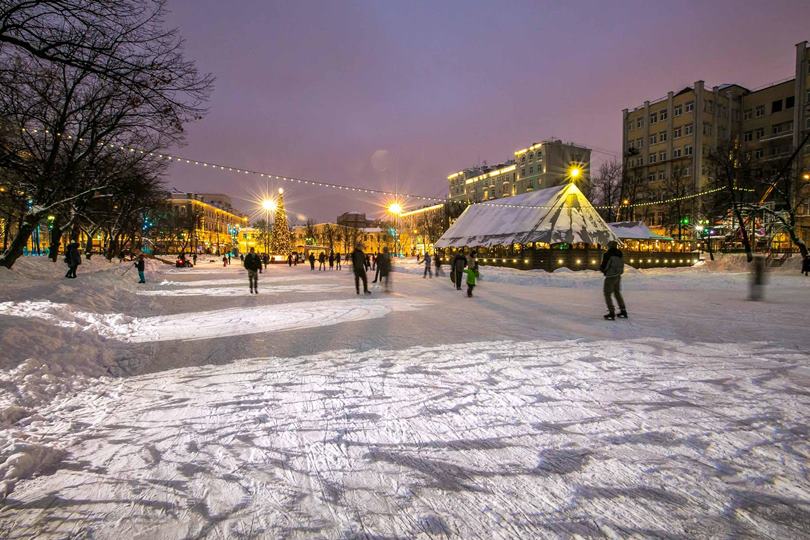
x: 357, y: 189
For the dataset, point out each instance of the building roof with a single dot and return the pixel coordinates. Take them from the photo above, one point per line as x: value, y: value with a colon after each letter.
x: 635, y: 230
x: 553, y: 215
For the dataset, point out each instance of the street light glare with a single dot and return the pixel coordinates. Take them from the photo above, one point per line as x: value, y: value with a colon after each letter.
x: 395, y: 208
x: 574, y: 172
x: 269, y: 204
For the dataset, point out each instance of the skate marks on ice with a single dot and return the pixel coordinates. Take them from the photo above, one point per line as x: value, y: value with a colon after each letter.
x: 244, y: 291
x: 646, y: 438
x: 211, y: 324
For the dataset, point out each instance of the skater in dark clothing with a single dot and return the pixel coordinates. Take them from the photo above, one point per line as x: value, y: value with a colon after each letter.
x: 331, y: 260
x: 224, y: 260
x: 312, y: 262
x: 457, y: 268
x: 265, y: 260
x: 359, y: 269
x: 613, y: 268
x: 428, y: 269
x: 367, y: 262
x: 141, y: 266
x: 384, y: 268
x: 321, y: 261
x: 438, y: 260
x: 289, y: 260
x: 252, y: 264
x: 806, y: 265
x: 72, y: 258
x: 194, y: 259
x: 337, y: 260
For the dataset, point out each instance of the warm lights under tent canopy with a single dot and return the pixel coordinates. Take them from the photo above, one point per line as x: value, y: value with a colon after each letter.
x: 560, y: 214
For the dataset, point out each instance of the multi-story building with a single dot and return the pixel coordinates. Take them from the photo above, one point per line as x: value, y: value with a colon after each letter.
x: 340, y: 238
x: 208, y: 228
x: 353, y: 219
x: 669, y: 140
x: 540, y: 165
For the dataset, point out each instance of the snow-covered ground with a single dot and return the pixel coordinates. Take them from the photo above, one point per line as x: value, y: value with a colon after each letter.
x: 188, y: 408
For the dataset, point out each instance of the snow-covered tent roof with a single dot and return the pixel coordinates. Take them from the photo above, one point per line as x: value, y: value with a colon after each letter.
x: 635, y: 230
x: 552, y: 215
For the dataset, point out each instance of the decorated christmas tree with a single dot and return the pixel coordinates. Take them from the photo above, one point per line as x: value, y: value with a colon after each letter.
x: 280, y: 242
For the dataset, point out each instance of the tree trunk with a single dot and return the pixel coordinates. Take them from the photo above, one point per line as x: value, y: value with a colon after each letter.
x: 15, y: 249
x: 56, y: 237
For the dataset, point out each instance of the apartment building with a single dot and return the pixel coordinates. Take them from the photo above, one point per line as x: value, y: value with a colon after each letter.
x: 211, y: 229
x: 540, y: 165
x: 671, y: 138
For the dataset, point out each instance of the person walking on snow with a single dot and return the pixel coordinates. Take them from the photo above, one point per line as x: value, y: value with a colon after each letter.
x: 321, y: 261
x: 252, y: 264
x: 72, y: 258
x: 359, y: 269
x: 337, y: 260
x: 806, y: 265
x: 331, y: 260
x: 472, y: 276
x: 194, y: 259
x: 311, y: 262
x: 438, y: 261
x: 613, y: 267
x: 384, y: 268
x: 141, y: 266
x: 457, y: 268
x: 428, y: 269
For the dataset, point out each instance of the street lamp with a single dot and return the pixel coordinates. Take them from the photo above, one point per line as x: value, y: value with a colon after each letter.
x: 396, y: 209
x: 574, y: 172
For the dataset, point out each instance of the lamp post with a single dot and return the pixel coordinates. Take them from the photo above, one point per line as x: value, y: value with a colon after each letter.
x: 396, y: 209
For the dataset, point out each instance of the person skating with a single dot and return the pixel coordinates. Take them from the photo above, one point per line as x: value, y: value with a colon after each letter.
x: 73, y: 259
x: 312, y: 262
x: 337, y: 260
x: 331, y: 260
x: 457, y: 268
x: 321, y: 261
x: 141, y: 266
x: 252, y: 264
x: 359, y: 269
x: 229, y: 257
x: 438, y: 260
x: 428, y: 269
x: 613, y: 267
x: 384, y: 268
x: 806, y: 265
x: 194, y: 259
x: 224, y: 260
x: 472, y: 276
x: 265, y: 260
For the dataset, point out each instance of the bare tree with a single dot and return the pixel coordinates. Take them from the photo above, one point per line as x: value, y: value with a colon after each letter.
x: 676, y: 186
x: 607, y: 188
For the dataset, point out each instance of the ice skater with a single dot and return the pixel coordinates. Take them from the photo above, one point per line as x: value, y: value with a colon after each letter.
x: 472, y: 276
x: 613, y: 267
x: 224, y: 260
x: 312, y: 262
x: 457, y: 268
x: 141, y: 266
x: 252, y: 264
x: 384, y: 268
x: 337, y: 260
x: 428, y: 269
x: 806, y: 265
x: 359, y: 269
x: 331, y: 260
x: 438, y: 261
x: 72, y: 258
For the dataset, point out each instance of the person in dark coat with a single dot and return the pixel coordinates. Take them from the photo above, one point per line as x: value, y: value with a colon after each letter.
x: 141, y: 266
x: 384, y: 268
x: 194, y: 259
x: 289, y: 260
x: 359, y: 269
x: 321, y: 261
x: 252, y: 264
x: 806, y: 265
x: 312, y: 262
x: 72, y: 258
x: 457, y: 268
x: 437, y: 259
x: 428, y: 269
x: 368, y: 262
x: 337, y: 260
x: 331, y: 260
x: 613, y: 267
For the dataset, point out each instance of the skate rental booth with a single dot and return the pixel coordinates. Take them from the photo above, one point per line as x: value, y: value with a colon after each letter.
x: 550, y: 228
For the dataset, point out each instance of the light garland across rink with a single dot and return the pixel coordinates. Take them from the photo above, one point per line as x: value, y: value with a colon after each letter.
x: 294, y: 180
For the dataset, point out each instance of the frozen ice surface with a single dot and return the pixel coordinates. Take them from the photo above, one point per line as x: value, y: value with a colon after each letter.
x: 312, y: 412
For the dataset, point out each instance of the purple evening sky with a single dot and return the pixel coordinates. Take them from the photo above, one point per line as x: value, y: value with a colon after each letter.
x: 396, y: 95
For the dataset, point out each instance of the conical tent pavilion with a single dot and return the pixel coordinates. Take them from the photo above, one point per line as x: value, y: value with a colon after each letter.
x: 555, y: 215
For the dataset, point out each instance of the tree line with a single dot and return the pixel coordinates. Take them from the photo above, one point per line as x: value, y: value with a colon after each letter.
x: 91, y: 91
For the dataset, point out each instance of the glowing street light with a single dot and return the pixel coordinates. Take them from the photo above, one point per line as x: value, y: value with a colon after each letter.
x: 395, y: 208
x: 269, y: 205
x: 806, y: 176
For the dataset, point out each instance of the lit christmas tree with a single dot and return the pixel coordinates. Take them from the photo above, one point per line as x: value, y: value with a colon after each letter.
x: 280, y: 242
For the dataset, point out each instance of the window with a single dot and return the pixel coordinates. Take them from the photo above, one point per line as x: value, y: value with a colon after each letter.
x: 747, y: 114
x: 653, y: 118
x: 776, y: 106
x: 662, y: 136
x: 758, y: 153
x: 662, y: 156
x: 653, y: 138
x: 639, y: 143
x: 690, y: 106
x: 652, y: 158
x: 662, y: 175
x: 759, y: 112
x: 687, y: 150
x: 651, y: 177
x: 523, y: 172
x: 687, y: 171
x: 707, y: 129
x: 677, y: 110
x: 676, y: 153
x: 662, y: 115
x: 689, y: 129
x: 759, y: 133
x: 640, y: 122
x: 531, y: 170
x: 748, y: 136
x: 790, y: 101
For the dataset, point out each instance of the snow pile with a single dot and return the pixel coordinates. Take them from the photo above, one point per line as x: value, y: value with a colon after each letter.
x: 25, y: 459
